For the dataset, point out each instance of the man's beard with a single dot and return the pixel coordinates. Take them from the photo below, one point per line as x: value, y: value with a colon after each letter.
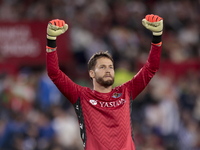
x: 106, y: 83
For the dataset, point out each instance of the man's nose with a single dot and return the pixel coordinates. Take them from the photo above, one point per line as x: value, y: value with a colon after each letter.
x: 108, y: 69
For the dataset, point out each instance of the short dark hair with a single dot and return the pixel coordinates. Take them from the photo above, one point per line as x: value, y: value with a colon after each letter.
x: 93, y: 60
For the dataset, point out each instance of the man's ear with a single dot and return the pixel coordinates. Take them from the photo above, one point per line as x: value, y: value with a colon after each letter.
x: 91, y: 73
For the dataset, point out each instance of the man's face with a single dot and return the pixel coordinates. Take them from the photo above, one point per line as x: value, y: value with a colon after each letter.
x: 104, y: 72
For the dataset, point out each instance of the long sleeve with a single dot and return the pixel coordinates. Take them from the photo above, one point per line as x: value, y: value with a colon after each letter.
x: 67, y: 87
x: 146, y: 73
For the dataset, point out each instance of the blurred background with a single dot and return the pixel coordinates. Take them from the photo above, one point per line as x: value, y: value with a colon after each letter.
x: 34, y: 115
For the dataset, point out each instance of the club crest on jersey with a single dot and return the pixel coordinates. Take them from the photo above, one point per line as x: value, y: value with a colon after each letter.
x: 116, y: 95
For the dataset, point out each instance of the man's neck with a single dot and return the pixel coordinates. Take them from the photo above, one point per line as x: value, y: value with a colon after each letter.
x: 102, y: 89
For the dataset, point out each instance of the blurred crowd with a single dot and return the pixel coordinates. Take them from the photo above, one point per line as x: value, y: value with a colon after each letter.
x: 34, y: 115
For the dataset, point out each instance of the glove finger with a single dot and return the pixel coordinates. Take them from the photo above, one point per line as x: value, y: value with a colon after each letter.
x: 65, y: 27
x: 154, y: 24
x: 149, y: 17
x: 153, y: 18
x: 144, y: 23
x: 157, y: 18
x: 52, y: 27
x: 60, y: 23
x: 55, y: 30
x: 57, y: 22
x: 54, y: 22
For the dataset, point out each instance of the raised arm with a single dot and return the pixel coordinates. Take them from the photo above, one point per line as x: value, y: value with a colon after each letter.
x: 69, y: 89
x: 155, y: 24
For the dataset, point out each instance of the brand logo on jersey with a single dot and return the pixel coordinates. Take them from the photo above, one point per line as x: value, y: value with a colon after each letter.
x: 113, y: 104
x: 93, y: 102
x: 108, y: 104
x: 116, y: 95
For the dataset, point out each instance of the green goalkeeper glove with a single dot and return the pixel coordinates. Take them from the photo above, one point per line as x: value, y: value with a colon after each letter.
x: 154, y: 23
x: 55, y: 28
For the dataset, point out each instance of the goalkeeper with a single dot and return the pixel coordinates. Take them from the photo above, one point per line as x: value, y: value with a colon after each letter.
x: 104, y: 113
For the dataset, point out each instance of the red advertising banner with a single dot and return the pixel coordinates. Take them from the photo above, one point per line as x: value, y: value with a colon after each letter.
x: 24, y: 43
x: 167, y: 67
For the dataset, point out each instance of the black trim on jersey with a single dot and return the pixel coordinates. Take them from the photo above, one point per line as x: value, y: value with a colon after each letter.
x: 79, y: 113
x: 130, y: 106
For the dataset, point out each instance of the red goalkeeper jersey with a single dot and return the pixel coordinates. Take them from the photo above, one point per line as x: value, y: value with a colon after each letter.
x: 105, y: 118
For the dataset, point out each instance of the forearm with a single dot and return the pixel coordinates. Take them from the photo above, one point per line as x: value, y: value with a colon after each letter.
x: 146, y: 73
x: 52, y: 59
x: 60, y: 79
x: 155, y: 54
x: 52, y: 64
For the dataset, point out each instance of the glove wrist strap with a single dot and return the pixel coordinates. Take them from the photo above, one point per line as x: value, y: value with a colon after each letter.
x: 51, y: 43
x: 156, y: 39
